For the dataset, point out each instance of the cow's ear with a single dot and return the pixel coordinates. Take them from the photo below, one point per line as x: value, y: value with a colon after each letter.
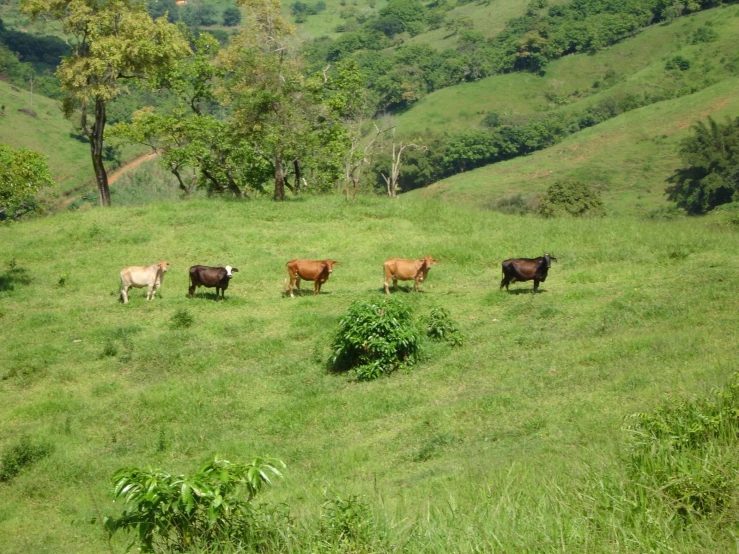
x: 234, y: 270
x: 335, y: 263
x: 553, y: 259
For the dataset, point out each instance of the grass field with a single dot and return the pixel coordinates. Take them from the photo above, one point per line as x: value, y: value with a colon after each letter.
x: 482, y: 448
x: 627, y: 158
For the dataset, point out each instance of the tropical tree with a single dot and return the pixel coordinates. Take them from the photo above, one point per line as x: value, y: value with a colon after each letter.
x: 113, y: 42
x: 571, y: 198
x: 710, y: 176
x: 22, y: 173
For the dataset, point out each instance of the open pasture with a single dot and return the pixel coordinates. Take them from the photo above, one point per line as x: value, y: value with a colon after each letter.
x: 479, y: 448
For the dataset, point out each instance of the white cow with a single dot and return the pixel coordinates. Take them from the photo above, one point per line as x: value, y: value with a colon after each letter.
x: 140, y: 277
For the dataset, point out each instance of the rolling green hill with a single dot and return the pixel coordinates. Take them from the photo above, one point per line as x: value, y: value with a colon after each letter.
x: 627, y: 158
x: 494, y: 443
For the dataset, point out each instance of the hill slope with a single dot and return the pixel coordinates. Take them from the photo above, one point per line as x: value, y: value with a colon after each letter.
x: 448, y: 451
x: 627, y: 158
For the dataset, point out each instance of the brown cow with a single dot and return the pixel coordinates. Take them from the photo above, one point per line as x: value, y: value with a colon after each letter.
x: 526, y: 269
x: 140, y: 277
x: 317, y: 271
x: 204, y: 276
x: 406, y: 270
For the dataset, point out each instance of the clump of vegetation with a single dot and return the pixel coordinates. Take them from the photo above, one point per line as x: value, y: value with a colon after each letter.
x: 571, y: 198
x: 181, y: 319
x: 22, y: 174
x: 678, y: 62
x: 687, y: 449
x: 704, y: 34
x: 375, y: 338
x: 711, y: 173
x: 439, y: 325
x: 173, y: 513
x: 21, y: 455
x: 346, y: 523
x: 516, y: 205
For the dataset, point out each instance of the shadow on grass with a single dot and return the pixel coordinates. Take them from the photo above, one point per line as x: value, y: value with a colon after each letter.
x: 13, y: 277
x: 404, y: 289
x: 206, y: 296
x: 525, y: 291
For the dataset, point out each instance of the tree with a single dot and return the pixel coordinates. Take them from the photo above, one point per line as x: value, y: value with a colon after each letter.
x: 113, y: 41
x: 711, y: 173
x: 22, y: 174
x: 391, y: 179
x: 571, y: 198
x: 232, y: 16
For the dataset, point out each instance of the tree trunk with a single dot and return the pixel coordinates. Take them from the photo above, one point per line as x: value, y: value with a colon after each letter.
x: 279, y: 180
x: 96, y: 150
x: 296, y: 165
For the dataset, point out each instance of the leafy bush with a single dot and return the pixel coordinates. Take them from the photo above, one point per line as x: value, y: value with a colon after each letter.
x: 346, y: 523
x: 181, y: 319
x: 704, y: 34
x: 678, y: 62
x: 171, y: 513
x: 440, y: 326
x: 687, y: 449
x: 21, y: 455
x: 231, y: 16
x: 573, y: 198
x: 375, y: 338
x: 515, y: 204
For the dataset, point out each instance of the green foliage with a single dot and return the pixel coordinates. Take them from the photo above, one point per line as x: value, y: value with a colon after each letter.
x: 375, y: 338
x: 346, y: 523
x: 171, y: 512
x: 440, y: 326
x: 678, y: 62
x: 515, y: 204
x: 704, y: 34
x: 232, y: 16
x: 571, y: 198
x: 21, y: 455
x: 710, y: 176
x: 181, y: 319
x: 22, y: 174
x: 687, y: 449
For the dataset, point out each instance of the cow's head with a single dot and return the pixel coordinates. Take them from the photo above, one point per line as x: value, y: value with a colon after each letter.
x: 548, y: 260
x: 230, y: 270
x: 429, y: 261
x: 330, y: 265
x: 163, y: 266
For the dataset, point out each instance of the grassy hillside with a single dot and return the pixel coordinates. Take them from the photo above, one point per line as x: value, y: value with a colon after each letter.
x: 627, y: 158
x: 634, y: 66
x: 479, y: 448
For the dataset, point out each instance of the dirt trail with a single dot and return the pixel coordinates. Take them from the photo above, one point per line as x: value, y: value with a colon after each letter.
x: 113, y: 177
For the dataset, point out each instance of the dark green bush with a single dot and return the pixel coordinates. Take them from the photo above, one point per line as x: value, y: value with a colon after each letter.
x: 375, y: 338
x: 21, y: 455
x: 440, y: 326
x: 571, y: 198
x: 704, y: 34
x: 678, y: 62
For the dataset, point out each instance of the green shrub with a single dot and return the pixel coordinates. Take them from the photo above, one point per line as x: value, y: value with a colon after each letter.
x: 375, y: 338
x: 439, y: 325
x: 181, y: 319
x: 571, y: 198
x: 346, y: 523
x: 515, y: 205
x: 688, y: 450
x: 171, y: 513
x: 704, y: 34
x: 678, y: 62
x: 21, y: 455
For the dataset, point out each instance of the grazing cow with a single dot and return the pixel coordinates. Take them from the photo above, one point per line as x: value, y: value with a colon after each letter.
x: 406, y: 270
x: 204, y: 276
x: 526, y: 269
x: 140, y: 277
x: 317, y: 271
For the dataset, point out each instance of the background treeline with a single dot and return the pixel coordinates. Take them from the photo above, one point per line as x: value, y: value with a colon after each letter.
x: 527, y: 43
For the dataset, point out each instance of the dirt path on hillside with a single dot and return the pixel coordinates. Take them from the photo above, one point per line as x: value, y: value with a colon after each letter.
x: 117, y: 174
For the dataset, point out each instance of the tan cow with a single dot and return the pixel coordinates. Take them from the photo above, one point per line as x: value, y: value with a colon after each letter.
x: 317, y: 271
x: 407, y: 270
x: 140, y: 277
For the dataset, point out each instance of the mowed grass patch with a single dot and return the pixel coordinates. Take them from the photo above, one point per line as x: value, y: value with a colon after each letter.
x: 632, y: 310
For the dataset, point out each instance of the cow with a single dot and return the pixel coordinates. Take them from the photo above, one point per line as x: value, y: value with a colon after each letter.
x: 317, y: 271
x: 204, y: 276
x: 406, y: 270
x: 526, y: 269
x: 140, y: 277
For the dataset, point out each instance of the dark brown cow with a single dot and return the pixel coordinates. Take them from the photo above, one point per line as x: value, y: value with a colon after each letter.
x: 317, y: 271
x: 204, y: 276
x: 526, y: 269
x: 407, y: 270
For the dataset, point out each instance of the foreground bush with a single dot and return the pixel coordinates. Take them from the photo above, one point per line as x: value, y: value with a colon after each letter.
x: 375, y: 338
x: 171, y: 513
x: 571, y: 198
x: 21, y: 455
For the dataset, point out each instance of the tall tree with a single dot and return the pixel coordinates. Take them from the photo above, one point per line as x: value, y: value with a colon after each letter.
x: 22, y: 173
x: 113, y: 41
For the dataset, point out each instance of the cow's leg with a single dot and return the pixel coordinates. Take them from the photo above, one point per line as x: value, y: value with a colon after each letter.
x: 150, y: 292
x: 297, y: 285
x: 218, y: 292
x: 316, y: 287
x: 536, y: 285
x: 395, y: 282
x: 387, y: 287
x: 124, y: 294
x: 504, y: 282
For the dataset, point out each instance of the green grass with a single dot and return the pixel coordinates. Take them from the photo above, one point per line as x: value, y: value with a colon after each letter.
x: 638, y: 64
x: 627, y: 158
x: 480, y: 448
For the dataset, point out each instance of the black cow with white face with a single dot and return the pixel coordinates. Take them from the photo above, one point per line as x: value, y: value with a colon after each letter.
x: 526, y: 269
x: 204, y: 276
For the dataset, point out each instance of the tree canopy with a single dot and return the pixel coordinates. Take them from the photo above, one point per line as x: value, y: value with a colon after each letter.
x: 22, y: 174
